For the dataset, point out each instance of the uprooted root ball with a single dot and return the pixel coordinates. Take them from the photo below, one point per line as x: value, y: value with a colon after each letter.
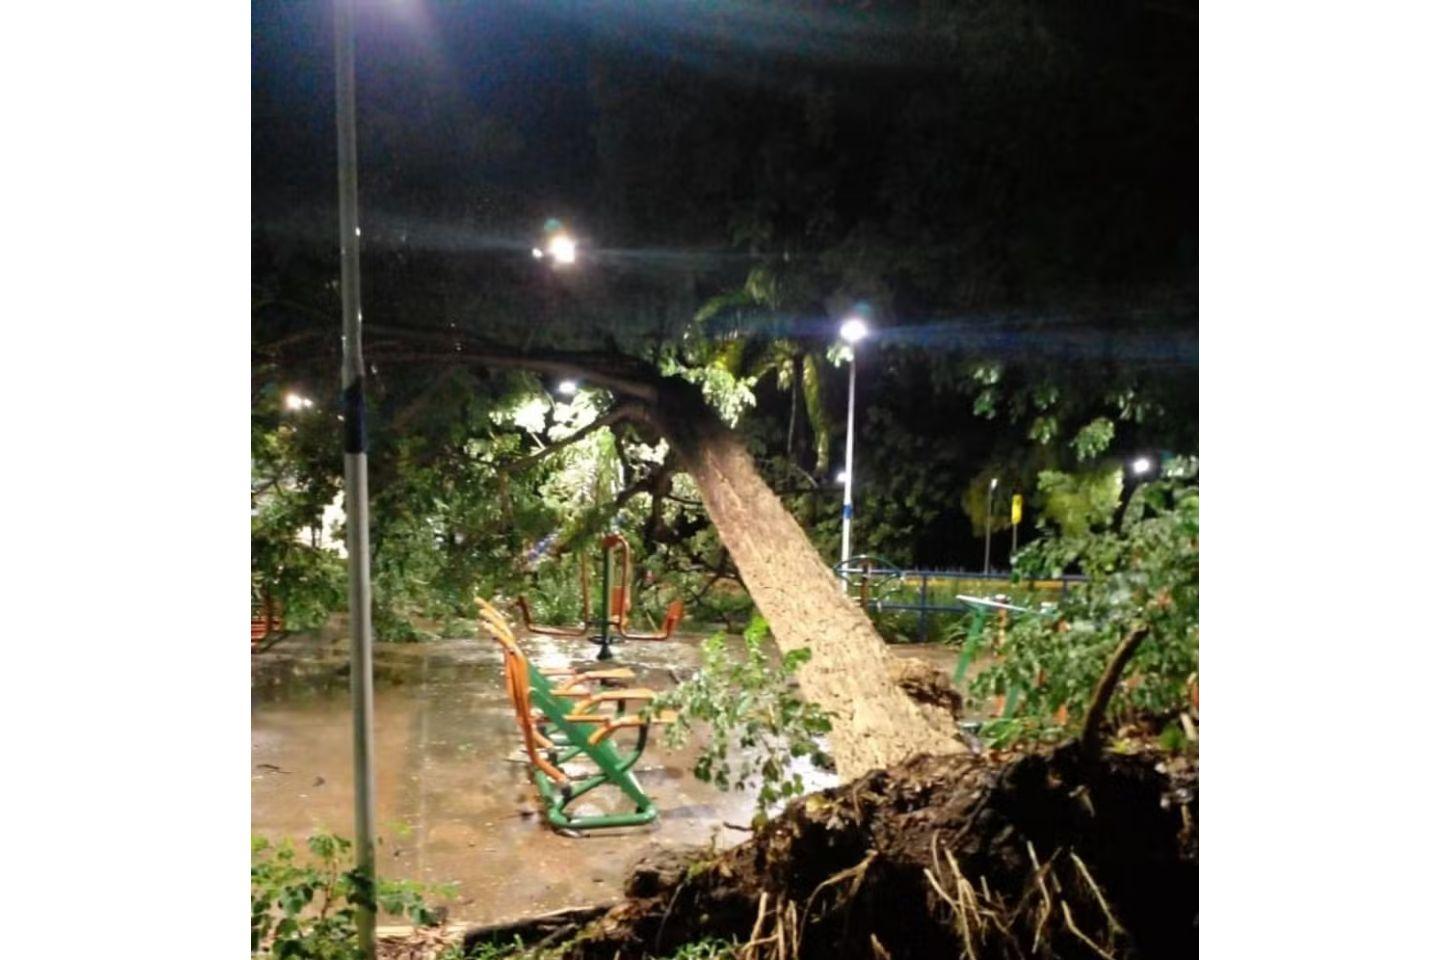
x: 942, y: 857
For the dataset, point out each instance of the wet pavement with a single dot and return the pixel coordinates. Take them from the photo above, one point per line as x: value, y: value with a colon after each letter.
x: 453, y: 800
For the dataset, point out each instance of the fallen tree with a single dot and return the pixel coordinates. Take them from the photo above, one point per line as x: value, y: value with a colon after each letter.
x: 875, y: 724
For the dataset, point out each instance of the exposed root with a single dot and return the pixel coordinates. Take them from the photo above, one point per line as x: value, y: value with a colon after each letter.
x: 940, y: 857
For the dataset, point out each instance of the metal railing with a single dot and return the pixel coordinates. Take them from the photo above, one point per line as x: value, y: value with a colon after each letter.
x: 870, y: 574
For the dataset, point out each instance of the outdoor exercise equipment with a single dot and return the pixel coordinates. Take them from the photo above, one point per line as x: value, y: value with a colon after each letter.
x: 266, y: 620
x: 564, y: 717
x: 869, y: 577
x: 615, y: 603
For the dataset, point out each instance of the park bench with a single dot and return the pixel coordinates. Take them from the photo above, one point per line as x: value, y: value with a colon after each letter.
x: 564, y: 717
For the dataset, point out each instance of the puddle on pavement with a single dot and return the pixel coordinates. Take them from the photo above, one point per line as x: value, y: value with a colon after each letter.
x: 453, y: 801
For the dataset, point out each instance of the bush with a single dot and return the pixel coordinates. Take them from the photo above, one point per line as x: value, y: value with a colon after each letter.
x: 1144, y: 573
x: 758, y: 725
x: 308, y: 910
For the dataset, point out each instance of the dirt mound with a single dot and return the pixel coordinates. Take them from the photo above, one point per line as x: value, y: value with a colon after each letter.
x: 942, y: 857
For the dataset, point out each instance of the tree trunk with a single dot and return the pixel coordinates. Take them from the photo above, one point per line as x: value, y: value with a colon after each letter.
x: 874, y: 723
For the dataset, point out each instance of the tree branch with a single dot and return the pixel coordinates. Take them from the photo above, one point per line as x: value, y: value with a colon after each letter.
x: 622, y: 411
x: 616, y: 371
x: 644, y: 483
x: 1092, y: 721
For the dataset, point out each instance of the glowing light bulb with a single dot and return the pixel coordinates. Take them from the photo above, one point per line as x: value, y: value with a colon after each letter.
x: 853, y: 330
x: 562, y: 248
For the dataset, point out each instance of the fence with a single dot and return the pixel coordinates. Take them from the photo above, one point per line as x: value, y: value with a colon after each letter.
x: 866, y: 571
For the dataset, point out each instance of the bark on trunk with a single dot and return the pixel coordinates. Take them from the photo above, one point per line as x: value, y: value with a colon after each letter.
x: 874, y: 723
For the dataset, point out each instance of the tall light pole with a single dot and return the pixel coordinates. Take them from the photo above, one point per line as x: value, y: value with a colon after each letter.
x: 853, y: 331
x: 987, y: 556
x: 355, y: 472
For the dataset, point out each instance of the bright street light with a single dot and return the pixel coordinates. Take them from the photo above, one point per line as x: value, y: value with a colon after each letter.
x: 568, y: 387
x: 559, y: 246
x: 562, y: 248
x: 843, y: 477
x: 1141, y: 466
x: 295, y: 401
x: 853, y: 330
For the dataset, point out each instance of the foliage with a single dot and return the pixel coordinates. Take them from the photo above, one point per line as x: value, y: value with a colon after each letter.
x: 1144, y: 572
x: 308, y: 909
x: 1093, y: 439
x: 758, y: 725
x: 492, y: 951
x: 290, y: 490
x: 707, y: 949
x: 1078, y: 502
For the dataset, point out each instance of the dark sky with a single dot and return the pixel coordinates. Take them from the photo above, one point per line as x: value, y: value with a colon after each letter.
x: 511, y: 63
x: 1043, y: 148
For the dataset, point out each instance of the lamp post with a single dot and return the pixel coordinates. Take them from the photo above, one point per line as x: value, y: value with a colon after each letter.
x: 853, y: 331
x: 987, y: 556
x: 355, y: 471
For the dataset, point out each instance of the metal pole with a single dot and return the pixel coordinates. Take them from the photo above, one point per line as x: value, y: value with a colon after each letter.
x: 921, y: 614
x: 604, y: 609
x: 987, y: 555
x: 355, y: 470
x: 850, y: 471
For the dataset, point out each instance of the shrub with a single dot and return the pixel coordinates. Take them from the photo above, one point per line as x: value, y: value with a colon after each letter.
x: 1144, y: 573
x: 308, y: 909
x: 758, y: 724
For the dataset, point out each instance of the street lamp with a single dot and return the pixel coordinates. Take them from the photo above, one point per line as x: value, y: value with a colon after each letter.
x: 987, y: 556
x: 295, y: 401
x: 562, y: 248
x: 1141, y: 466
x: 559, y: 246
x: 568, y: 388
x: 853, y: 331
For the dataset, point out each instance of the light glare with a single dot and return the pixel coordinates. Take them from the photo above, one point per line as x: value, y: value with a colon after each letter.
x: 1142, y: 465
x: 562, y: 248
x: 853, y: 330
x: 568, y: 387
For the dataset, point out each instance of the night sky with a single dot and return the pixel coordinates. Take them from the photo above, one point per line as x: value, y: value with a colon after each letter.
x: 1043, y: 132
